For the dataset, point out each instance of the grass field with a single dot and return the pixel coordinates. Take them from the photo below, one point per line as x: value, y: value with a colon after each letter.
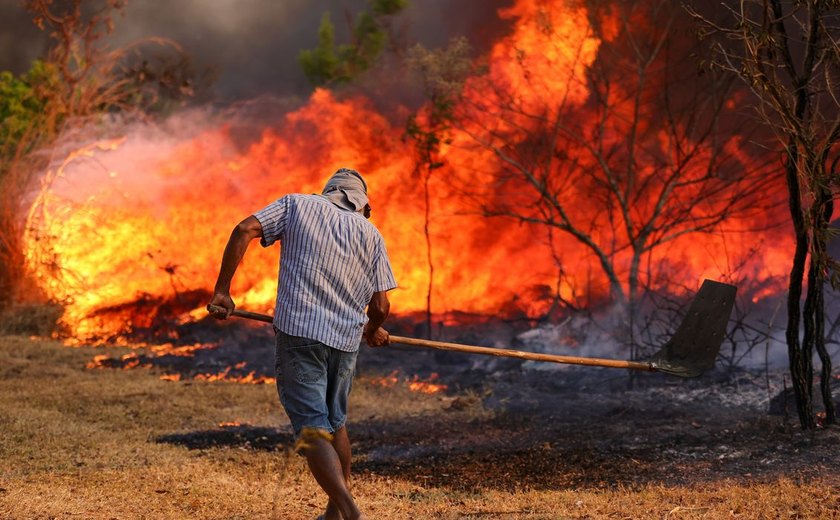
x: 81, y: 443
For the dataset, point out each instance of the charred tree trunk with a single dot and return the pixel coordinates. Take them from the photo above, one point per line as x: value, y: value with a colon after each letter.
x: 800, y: 353
x: 800, y: 360
x: 823, y: 210
x: 789, y: 57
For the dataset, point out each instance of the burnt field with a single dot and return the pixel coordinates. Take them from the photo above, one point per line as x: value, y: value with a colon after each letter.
x: 177, y: 432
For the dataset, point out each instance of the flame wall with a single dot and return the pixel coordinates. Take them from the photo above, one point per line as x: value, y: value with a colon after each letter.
x: 149, y: 212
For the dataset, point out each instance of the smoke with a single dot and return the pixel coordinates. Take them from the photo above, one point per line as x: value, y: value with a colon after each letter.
x: 252, y: 45
x: 20, y: 40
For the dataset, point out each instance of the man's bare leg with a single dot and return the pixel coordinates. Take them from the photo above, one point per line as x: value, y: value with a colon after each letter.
x: 327, y: 468
x: 341, y: 443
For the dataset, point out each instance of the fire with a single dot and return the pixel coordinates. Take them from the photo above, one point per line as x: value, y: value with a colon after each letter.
x: 415, y: 383
x: 145, y: 217
x: 126, y: 362
x: 426, y: 387
x: 99, y: 361
x: 388, y: 381
x: 144, y: 357
x: 249, y: 379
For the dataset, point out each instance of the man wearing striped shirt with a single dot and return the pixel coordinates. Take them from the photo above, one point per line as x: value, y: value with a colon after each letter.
x: 333, y: 265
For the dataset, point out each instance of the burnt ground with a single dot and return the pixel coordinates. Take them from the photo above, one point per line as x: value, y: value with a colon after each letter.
x: 557, y: 431
x: 559, y: 427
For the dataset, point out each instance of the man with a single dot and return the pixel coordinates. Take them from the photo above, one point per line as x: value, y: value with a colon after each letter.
x: 333, y: 264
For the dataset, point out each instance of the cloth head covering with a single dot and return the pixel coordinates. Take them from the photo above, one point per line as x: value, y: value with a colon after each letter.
x: 347, y: 189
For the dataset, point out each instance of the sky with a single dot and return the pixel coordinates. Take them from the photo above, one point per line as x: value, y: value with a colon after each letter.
x: 252, y: 45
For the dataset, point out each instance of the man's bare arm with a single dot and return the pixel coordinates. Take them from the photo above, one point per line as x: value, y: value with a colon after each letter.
x: 378, y: 309
x: 240, y: 237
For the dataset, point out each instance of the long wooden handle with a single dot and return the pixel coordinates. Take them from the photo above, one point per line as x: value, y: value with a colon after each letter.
x: 534, y: 356
x: 474, y: 349
x: 253, y: 316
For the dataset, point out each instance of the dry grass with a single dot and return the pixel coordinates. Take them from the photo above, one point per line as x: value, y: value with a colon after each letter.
x: 28, y: 319
x: 78, y: 443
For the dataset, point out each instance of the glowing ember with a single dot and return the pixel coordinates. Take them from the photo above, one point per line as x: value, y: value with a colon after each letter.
x: 147, y: 359
x: 168, y: 349
x: 388, y: 381
x: 99, y: 361
x: 426, y: 387
x: 415, y: 383
x: 250, y: 379
x: 820, y: 418
x: 130, y: 361
x: 154, y: 351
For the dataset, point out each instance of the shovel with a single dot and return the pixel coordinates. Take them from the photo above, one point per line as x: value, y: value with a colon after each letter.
x: 690, y: 352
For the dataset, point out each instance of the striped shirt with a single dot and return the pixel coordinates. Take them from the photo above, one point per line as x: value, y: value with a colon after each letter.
x: 331, y: 262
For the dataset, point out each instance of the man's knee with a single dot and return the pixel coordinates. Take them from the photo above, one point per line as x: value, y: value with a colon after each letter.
x: 310, y: 436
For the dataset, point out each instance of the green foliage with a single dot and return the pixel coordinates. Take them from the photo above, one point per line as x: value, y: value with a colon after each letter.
x: 18, y: 105
x: 24, y: 120
x: 369, y: 41
x: 330, y: 64
x: 321, y: 63
x: 388, y: 7
x: 22, y: 102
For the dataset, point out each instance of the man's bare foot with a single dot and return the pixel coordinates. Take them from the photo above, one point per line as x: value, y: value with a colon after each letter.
x: 331, y: 513
x: 337, y: 516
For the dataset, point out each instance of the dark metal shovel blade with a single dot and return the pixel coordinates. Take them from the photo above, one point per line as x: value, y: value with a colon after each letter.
x: 695, y: 346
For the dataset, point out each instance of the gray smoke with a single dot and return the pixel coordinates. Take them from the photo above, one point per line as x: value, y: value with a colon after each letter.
x: 253, y: 44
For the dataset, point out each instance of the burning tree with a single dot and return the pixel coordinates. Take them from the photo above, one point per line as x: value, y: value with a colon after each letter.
x: 443, y: 74
x: 599, y: 129
x: 788, y: 54
x: 80, y: 78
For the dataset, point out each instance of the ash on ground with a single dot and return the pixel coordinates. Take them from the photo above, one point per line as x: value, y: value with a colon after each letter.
x: 543, y: 425
x: 563, y: 426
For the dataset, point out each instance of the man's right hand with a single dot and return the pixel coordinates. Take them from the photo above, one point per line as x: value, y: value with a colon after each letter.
x: 378, y: 338
x: 221, y: 301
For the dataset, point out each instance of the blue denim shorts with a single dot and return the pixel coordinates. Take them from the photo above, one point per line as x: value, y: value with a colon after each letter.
x: 313, y: 381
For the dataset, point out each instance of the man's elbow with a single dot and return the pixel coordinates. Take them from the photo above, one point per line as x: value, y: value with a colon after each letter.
x: 379, y: 307
x: 248, y: 229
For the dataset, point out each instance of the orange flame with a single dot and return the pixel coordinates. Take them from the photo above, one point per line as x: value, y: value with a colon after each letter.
x: 250, y: 379
x: 426, y: 387
x: 98, y: 361
x: 148, y: 214
x: 415, y: 384
x: 388, y: 381
x: 144, y: 360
